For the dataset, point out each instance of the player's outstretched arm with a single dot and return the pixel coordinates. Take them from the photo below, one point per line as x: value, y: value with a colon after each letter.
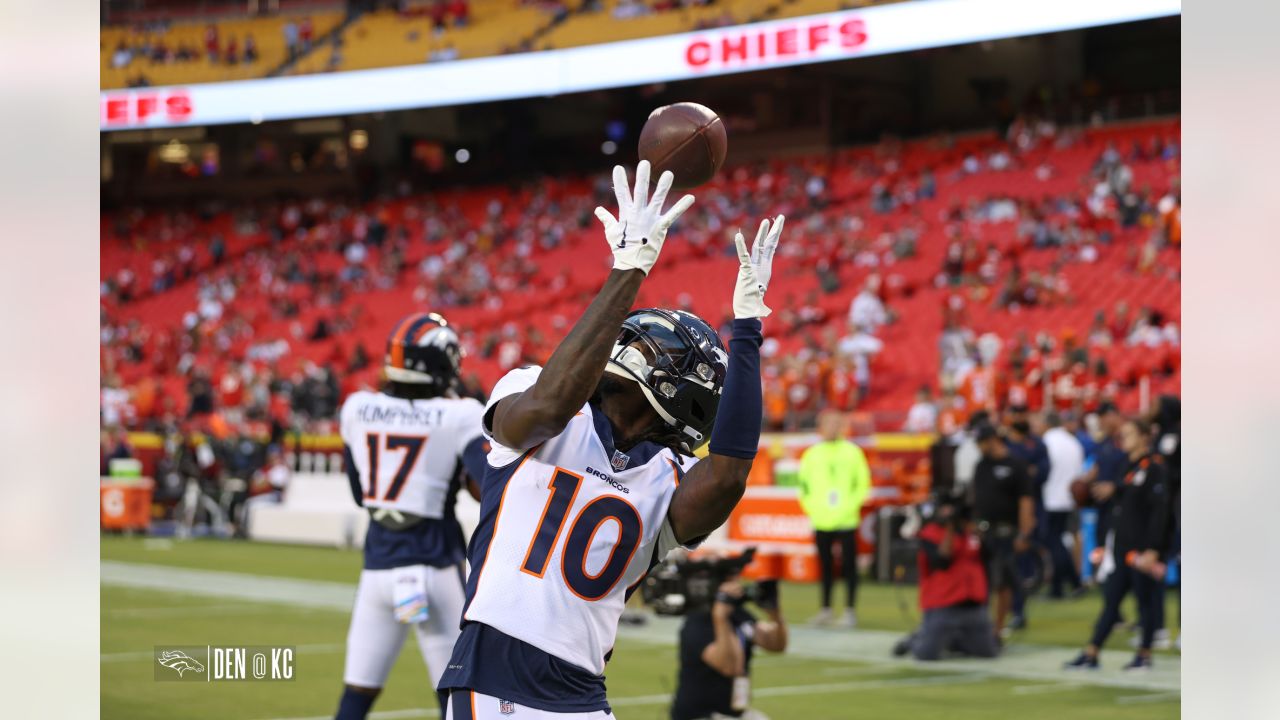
x: 523, y: 420
x: 714, y: 485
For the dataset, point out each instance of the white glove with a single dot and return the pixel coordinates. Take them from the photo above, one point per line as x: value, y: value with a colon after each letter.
x: 755, y: 269
x: 637, y: 234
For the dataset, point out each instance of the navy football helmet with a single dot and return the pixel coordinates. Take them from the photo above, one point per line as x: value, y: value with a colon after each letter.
x: 679, y: 362
x: 424, y: 350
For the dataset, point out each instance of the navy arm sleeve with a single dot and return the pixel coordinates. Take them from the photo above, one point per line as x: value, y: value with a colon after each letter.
x: 353, y: 475
x: 736, y: 432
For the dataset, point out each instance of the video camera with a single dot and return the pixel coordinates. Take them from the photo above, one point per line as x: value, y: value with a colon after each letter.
x: 948, y: 509
x: 684, y: 586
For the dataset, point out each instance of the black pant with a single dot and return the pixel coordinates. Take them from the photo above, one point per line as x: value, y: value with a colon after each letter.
x: 963, y: 630
x: 1064, y: 566
x: 848, y: 539
x: 1146, y: 590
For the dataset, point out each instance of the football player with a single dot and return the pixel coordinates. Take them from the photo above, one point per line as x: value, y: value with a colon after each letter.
x: 591, y: 477
x: 409, y: 449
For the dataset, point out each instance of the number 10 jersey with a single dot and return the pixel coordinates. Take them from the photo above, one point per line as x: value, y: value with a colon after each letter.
x: 567, y: 531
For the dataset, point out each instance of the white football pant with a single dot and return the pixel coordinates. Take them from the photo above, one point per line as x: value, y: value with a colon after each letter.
x: 375, y: 637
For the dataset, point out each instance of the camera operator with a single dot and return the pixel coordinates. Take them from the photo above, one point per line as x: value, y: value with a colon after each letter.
x: 1005, y: 510
x: 715, y: 653
x: 953, y: 591
x: 1138, y: 544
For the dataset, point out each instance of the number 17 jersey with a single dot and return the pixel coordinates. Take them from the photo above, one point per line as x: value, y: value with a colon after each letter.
x: 567, y: 531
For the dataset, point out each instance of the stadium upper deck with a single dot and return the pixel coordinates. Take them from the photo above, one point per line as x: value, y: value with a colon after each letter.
x: 189, y: 50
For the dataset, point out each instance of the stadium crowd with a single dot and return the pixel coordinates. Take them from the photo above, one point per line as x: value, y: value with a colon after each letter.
x: 250, y: 324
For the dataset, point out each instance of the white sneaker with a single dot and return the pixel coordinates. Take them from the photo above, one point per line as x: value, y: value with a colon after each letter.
x: 848, y: 620
x: 822, y: 619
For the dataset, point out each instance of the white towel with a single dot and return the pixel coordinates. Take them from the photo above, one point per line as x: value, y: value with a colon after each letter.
x: 1108, y: 564
x: 409, y: 592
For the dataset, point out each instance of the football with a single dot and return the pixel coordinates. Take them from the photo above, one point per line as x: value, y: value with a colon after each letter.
x: 1080, y: 493
x: 686, y: 138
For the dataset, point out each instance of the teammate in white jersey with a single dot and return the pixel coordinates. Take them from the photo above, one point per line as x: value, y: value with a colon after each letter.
x: 409, y: 449
x: 591, y: 478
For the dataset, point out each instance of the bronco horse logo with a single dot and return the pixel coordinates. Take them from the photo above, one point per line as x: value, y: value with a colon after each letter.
x: 180, y: 661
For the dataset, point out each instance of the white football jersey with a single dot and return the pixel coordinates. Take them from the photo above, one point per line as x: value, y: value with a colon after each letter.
x: 577, y: 526
x: 406, y: 451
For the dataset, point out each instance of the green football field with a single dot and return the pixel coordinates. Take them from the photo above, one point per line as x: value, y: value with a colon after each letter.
x: 197, y: 593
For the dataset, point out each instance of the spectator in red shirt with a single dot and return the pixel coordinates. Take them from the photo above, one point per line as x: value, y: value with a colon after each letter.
x: 306, y: 32
x: 211, y: 45
x: 461, y: 12
x: 1120, y: 321
x: 230, y: 388
x: 439, y: 14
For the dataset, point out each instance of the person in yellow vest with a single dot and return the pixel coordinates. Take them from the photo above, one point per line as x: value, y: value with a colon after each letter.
x: 834, y: 482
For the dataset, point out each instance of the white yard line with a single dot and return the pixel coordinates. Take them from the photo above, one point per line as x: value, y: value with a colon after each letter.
x: 1046, y: 688
x: 1148, y: 697
x: 1040, y: 664
x: 249, y: 608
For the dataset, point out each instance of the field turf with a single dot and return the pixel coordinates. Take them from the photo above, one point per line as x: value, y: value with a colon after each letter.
x: 825, y: 676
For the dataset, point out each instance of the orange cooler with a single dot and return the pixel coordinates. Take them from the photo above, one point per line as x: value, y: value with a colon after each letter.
x: 125, y: 505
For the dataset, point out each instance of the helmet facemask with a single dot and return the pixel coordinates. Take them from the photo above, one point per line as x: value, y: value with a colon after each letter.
x: 679, y: 364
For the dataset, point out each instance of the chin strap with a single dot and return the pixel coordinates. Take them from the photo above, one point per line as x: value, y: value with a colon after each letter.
x: 628, y: 362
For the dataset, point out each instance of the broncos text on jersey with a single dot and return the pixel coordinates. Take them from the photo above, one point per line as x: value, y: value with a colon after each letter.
x: 567, y: 530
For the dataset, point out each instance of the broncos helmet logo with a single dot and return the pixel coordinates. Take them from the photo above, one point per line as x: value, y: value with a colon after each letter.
x: 424, y: 348
x: 180, y: 661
